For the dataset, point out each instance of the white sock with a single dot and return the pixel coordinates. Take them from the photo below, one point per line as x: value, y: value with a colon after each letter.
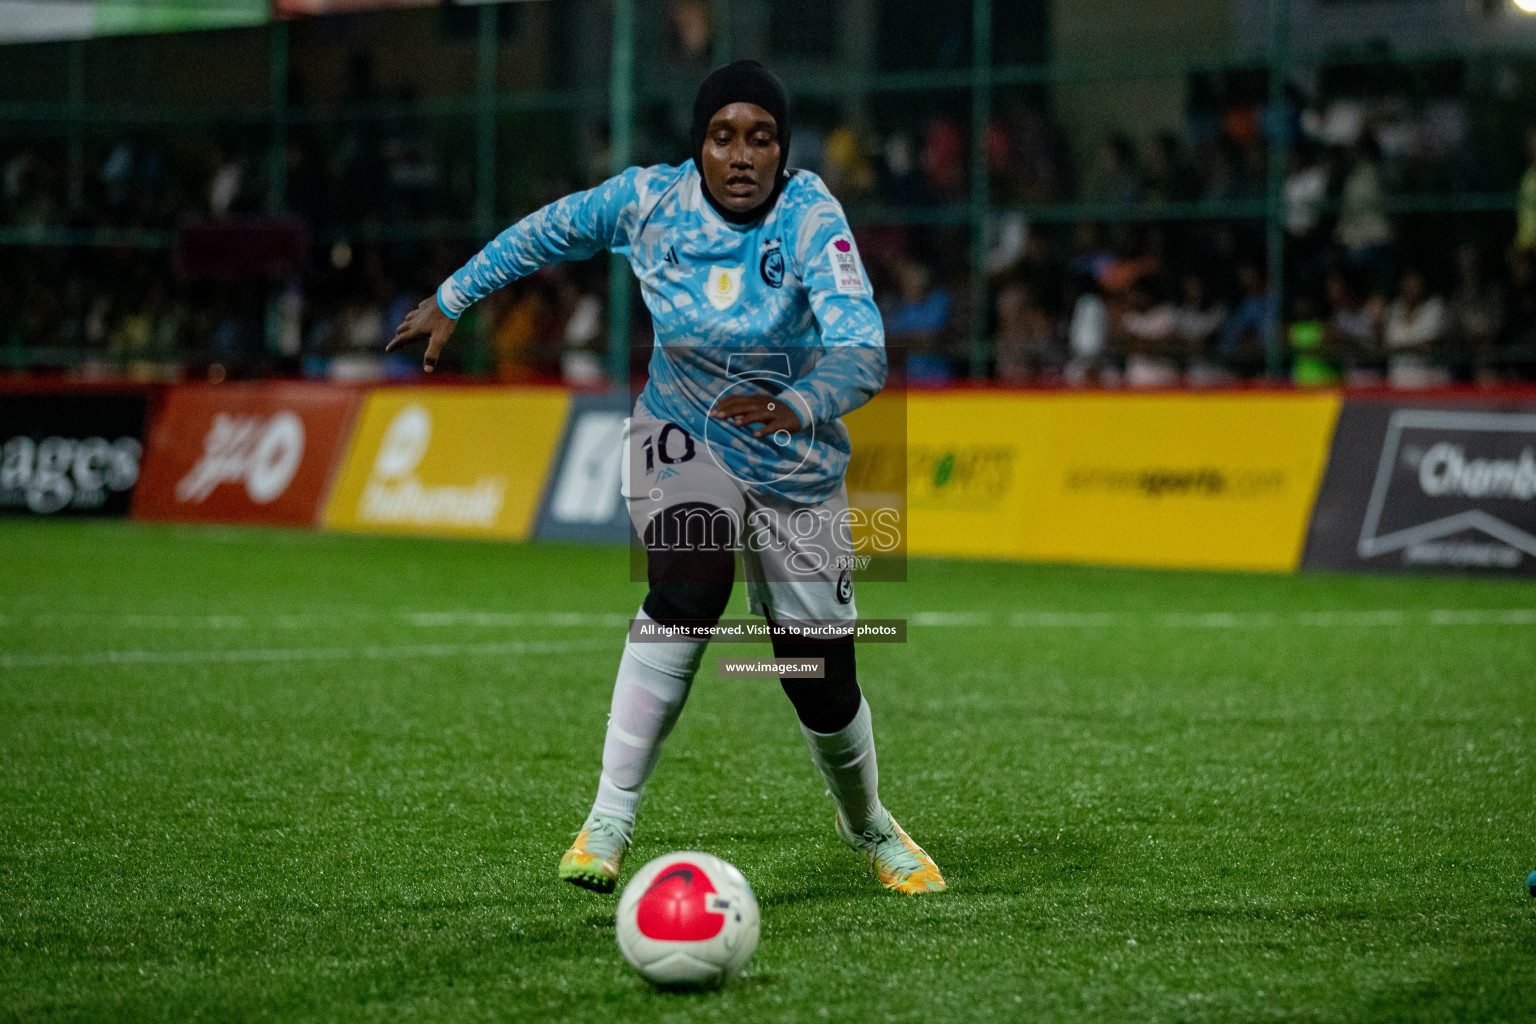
x: 648, y: 695
x: 847, y: 761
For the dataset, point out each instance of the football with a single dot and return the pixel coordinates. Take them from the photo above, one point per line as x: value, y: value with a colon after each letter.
x: 687, y: 919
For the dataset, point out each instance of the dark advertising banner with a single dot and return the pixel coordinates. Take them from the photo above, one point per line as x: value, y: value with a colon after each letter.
x: 581, y: 500
x: 70, y: 453
x: 1413, y: 487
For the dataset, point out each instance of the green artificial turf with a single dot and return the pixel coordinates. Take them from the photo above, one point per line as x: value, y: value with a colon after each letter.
x: 263, y: 775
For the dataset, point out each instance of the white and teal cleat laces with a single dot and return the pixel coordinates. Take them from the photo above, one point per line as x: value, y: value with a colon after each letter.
x: 596, y: 857
x: 899, y: 863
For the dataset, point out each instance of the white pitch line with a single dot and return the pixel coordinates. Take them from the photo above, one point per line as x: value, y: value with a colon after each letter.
x: 515, y: 619
x: 269, y: 655
x: 1501, y: 617
x: 1269, y: 620
x: 949, y: 619
x: 320, y: 619
x: 486, y: 619
x: 1049, y: 620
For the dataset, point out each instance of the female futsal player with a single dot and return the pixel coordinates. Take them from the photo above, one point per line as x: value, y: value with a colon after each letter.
x: 766, y: 334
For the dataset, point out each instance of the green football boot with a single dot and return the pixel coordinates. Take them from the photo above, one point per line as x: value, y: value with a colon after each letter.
x: 596, y: 857
x: 900, y: 864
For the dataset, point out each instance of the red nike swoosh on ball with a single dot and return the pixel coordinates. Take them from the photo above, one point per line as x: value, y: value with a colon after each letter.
x: 676, y: 906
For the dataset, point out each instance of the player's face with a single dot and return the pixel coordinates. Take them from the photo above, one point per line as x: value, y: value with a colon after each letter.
x: 741, y: 156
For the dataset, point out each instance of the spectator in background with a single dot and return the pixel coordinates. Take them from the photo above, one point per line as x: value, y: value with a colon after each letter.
x: 1310, y: 365
x: 1026, y: 342
x: 1517, y: 355
x: 1197, y: 323
x: 519, y: 329
x: 1351, y: 334
x: 1308, y: 186
x: 1246, y: 335
x: 689, y: 22
x: 1088, y: 338
x: 362, y: 324
x: 1133, y: 260
x: 1477, y: 315
x: 944, y: 157
x: 1363, y: 229
x: 918, y: 320
x: 1034, y: 168
x: 27, y: 201
x: 227, y: 182
x: 1525, y: 218
x: 1089, y: 253
x: 903, y: 182
x: 1306, y: 196
x: 1415, y: 334
x: 1147, y: 332
x: 117, y: 175
x: 1112, y: 178
x: 1039, y: 267
x: 581, y: 363
x: 1012, y: 235
x: 846, y: 166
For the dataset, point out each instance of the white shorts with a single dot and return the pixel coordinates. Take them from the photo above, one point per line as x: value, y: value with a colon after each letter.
x: 797, y: 558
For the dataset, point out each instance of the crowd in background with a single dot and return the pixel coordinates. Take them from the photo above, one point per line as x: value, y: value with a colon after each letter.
x: 1155, y: 277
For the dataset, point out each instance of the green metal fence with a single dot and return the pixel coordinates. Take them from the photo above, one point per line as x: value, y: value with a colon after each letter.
x: 75, y: 116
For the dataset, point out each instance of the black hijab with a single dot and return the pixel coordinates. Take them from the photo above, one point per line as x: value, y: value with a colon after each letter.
x: 745, y: 81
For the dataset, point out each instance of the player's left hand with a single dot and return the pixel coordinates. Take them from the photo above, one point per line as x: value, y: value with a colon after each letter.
x: 771, y: 413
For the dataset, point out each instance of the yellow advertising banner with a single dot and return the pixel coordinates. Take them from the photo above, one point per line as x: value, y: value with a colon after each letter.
x: 1218, y: 481
x: 452, y: 462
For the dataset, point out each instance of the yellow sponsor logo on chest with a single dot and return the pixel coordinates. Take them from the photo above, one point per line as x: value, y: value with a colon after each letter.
x: 724, y: 286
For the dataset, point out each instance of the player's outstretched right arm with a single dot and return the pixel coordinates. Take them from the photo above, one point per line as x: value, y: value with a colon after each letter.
x: 574, y: 228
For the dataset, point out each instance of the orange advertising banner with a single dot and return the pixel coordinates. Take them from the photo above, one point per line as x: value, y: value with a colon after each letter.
x: 244, y: 453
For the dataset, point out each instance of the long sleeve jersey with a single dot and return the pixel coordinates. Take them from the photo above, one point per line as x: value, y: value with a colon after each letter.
x: 782, y: 305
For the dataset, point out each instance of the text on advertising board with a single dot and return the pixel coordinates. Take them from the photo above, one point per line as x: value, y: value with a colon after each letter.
x: 1454, y: 489
x: 70, y: 453
x: 244, y: 453
x: 456, y: 462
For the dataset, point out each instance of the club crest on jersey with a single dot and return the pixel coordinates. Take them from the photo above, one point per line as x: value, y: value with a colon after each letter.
x: 772, y: 265
x: 724, y: 286
x: 845, y: 586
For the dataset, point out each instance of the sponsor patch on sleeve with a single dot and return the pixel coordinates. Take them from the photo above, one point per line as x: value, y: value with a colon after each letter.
x: 846, y: 272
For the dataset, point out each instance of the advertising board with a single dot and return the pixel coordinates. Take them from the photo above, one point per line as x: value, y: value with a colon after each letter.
x: 1416, y: 486
x: 581, y: 501
x: 454, y: 462
x: 70, y: 453
x: 244, y: 453
x: 1178, y: 481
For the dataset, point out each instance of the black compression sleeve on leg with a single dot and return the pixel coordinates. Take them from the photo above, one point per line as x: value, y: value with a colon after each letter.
x: 691, y: 564
x: 828, y: 704
x: 675, y: 602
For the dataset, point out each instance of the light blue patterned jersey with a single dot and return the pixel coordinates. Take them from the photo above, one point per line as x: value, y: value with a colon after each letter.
x: 781, y: 305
